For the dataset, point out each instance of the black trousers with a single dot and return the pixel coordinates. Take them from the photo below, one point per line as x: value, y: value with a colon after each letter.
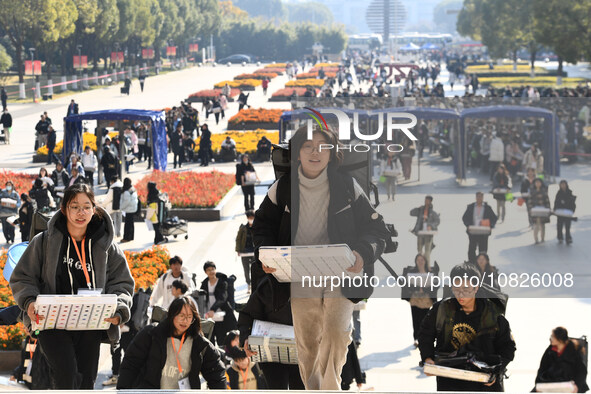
x: 126, y: 338
x: 563, y: 222
x: 180, y: 155
x: 7, y: 229
x: 246, y: 261
x: 72, y: 356
x: 480, y: 241
x: 418, y: 315
x: 89, y: 175
x: 128, y: 227
x: 158, y: 237
x: 248, y: 197
x: 282, y: 376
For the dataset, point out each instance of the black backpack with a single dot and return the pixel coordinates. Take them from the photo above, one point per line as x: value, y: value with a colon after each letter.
x: 231, y: 290
x: 139, y: 311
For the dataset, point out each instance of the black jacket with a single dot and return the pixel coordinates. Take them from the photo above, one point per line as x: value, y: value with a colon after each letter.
x: 566, y: 367
x: 407, y: 291
x: 351, y: 220
x: 221, y: 300
x: 468, y: 217
x: 565, y: 200
x: 51, y: 138
x: 269, y: 302
x: 241, y: 169
x: 65, y: 177
x: 487, y: 343
x: 145, y: 358
x: 6, y: 120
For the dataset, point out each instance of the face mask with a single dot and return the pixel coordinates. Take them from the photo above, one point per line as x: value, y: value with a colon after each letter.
x: 250, y: 222
x: 9, y: 188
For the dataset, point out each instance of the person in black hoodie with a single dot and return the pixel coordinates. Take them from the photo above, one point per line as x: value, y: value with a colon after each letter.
x: 562, y: 362
x: 148, y: 363
x: 25, y: 216
x: 216, y: 287
x: 564, y: 200
x: 205, y: 145
x: 270, y: 302
x: 245, y: 166
x: 466, y: 324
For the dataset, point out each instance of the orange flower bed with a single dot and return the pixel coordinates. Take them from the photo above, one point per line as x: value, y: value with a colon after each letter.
x: 11, y: 337
x: 213, y: 93
x: 240, y: 84
x: 22, y: 182
x: 147, y: 266
x: 189, y: 189
x: 336, y: 65
x: 305, y: 83
x: 259, y: 115
x: 288, y: 92
x: 255, y: 76
x: 315, y: 75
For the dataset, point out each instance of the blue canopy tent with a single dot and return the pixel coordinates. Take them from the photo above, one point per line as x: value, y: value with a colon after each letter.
x: 550, y: 146
x: 73, y: 131
x: 430, y: 47
x: 410, y: 47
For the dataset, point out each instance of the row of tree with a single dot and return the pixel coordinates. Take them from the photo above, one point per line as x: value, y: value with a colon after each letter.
x: 508, y: 26
x: 57, y: 28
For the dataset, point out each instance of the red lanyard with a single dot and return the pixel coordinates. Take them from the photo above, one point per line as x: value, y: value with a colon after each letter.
x: 244, y: 377
x: 178, y: 363
x: 31, y: 346
x: 83, y: 261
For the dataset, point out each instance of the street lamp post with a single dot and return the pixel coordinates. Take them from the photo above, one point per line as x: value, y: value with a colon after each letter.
x: 32, y: 51
x: 79, y: 46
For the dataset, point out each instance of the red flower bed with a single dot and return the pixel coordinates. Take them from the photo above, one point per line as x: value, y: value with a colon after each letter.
x: 288, y: 92
x: 256, y: 75
x: 213, y: 93
x: 189, y: 189
x: 22, y: 182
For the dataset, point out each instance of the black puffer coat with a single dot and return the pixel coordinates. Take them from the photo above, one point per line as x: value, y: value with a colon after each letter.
x: 145, y: 358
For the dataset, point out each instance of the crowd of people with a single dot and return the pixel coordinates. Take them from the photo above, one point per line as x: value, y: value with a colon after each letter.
x: 171, y: 350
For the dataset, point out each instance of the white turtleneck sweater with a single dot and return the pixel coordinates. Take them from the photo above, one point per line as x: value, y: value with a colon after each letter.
x: 313, y: 210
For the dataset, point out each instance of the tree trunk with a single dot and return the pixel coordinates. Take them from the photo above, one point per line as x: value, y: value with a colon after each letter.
x: 560, y: 61
x: 532, y: 59
x: 515, y: 60
x: 19, y: 62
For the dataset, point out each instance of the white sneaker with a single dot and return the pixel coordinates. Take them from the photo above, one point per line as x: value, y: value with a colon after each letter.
x: 112, y: 381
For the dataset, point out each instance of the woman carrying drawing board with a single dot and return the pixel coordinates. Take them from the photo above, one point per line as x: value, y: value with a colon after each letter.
x: 76, y: 254
x: 318, y: 205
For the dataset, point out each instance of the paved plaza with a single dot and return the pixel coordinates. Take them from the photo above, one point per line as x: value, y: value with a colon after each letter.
x: 386, y: 353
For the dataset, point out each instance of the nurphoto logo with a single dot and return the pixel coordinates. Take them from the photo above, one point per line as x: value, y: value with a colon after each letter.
x: 344, y: 129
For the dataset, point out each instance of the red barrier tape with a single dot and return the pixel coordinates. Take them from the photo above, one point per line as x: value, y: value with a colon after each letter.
x: 575, y: 154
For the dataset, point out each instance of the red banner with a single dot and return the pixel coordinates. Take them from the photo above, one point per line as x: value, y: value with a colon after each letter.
x: 147, y: 54
x: 34, y: 66
x: 170, y: 51
x: 193, y: 48
x: 117, y: 57
x: 80, y: 62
